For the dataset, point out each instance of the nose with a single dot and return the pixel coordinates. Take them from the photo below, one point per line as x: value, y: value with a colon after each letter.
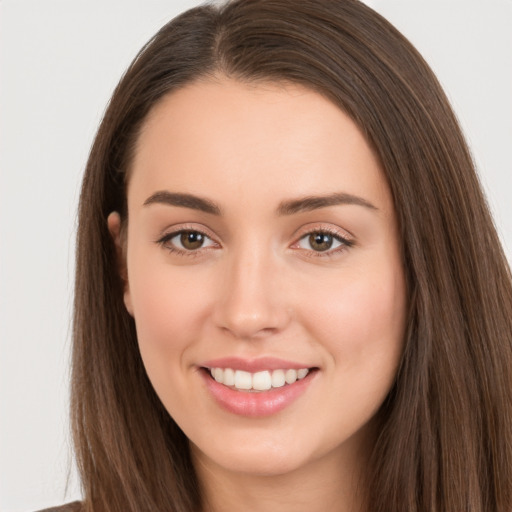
x: 252, y: 300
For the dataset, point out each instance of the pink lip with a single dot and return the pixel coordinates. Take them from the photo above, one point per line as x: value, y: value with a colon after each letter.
x: 253, y: 365
x: 256, y: 404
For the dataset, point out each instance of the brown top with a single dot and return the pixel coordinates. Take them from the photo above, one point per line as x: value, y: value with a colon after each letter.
x: 76, y: 506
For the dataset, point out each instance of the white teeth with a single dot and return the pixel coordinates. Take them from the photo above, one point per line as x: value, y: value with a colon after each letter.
x: 300, y: 373
x: 218, y: 374
x: 278, y: 379
x: 290, y: 376
x: 229, y: 377
x: 243, y: 380
x: 259, y: 381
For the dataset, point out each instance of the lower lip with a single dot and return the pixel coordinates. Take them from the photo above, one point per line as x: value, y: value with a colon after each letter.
x: 259, y: 403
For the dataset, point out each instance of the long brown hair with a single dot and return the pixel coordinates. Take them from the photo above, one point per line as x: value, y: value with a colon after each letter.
x: 445, y: 430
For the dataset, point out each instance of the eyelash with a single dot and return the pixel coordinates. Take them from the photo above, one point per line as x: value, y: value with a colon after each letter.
x: 345, y: 243
x: 181, y: 252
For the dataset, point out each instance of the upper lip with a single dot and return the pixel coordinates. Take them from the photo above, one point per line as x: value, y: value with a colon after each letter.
x: 254, y: 365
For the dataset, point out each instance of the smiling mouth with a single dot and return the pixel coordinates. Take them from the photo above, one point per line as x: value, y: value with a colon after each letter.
x: 258, y: 381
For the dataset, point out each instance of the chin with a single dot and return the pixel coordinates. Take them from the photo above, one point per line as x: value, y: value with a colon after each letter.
x: 263, y: 458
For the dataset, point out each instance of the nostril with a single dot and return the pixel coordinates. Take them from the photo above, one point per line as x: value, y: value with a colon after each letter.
x: 251, y: 311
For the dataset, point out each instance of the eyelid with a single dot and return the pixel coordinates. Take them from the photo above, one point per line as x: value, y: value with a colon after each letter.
x: 346, y: 239
x: 315, y: 227
x: 179, y: 228
x: 174, y: 230
x: 342, y: 235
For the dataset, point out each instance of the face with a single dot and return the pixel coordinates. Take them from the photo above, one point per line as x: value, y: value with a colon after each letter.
x: 262, y: 248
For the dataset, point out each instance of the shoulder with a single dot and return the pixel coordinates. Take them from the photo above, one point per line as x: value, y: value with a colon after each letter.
x: 76, y: 506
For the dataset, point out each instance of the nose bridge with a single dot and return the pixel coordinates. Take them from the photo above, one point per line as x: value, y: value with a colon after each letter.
x: 251, y: 303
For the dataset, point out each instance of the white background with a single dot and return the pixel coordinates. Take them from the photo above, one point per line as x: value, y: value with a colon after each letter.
x: 60, y: 61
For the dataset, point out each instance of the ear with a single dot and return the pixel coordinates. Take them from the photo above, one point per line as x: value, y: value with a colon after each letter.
x: 114, y: 227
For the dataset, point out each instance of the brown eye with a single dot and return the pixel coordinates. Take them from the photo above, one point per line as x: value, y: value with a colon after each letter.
x: 191, y: 240
x: 186, y: 241
x: 323, y: 242
x: 320, y: 241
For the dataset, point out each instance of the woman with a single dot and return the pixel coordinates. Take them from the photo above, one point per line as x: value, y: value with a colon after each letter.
x: 290, y: 293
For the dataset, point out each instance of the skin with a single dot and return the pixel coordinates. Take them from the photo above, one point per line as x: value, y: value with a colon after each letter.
x: 259, y: 288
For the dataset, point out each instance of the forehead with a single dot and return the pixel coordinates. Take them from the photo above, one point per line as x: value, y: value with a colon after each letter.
x: 223, y: 136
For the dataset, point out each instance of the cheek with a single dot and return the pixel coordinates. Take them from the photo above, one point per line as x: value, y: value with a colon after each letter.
x: 362, y: 320
x: 361, y: 326
x: 167, y: 312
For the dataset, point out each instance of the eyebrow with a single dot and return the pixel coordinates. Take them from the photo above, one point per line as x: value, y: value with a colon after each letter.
x: 309, y: 203
x: 289, y: 207
x: 183, y: 200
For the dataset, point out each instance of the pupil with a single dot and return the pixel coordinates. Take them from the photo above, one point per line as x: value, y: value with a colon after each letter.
x: 191, y: 239
x: 320, y: 241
